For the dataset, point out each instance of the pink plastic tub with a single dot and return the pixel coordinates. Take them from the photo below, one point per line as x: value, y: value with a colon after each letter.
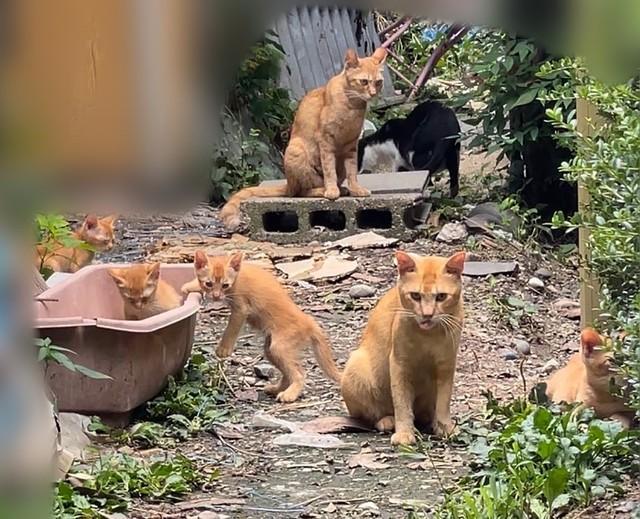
x: 85, y: 313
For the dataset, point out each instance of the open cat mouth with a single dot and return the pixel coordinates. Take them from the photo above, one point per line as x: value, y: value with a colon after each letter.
x: 425, y: 324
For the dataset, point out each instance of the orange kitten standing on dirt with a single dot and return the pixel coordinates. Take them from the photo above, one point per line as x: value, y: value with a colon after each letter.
x: 587, y: 377
x: 143, y: 292
x: 257, y: 297
x: 323, y: 149
x: 402, y: 372
x: 97, y: 232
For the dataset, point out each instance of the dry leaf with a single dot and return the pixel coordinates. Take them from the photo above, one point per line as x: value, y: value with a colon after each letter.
x: 333, y: 424
x: 366, y: 460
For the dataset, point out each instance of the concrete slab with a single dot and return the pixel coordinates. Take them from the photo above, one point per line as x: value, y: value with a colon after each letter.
x: 383, y: 183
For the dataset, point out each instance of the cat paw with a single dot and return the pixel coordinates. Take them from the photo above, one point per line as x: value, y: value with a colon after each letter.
x: 272, y: 389
x: 386, y: 424
x: 290, y: 394
x: 358, y: 191
x: 403, y: 438
x: 332, y: 193
x: 223, y: 352
x: 443, y: 428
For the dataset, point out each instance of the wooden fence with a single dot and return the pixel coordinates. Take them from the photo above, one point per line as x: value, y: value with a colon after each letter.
x: 315, y: 40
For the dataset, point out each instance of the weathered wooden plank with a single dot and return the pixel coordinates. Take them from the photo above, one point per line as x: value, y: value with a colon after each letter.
x: 323, y: 44
x: 290, y: 67
x: 339, y: 32
x: 311, y: 43
x: 300, y: 50
x: 337, y: 54
x: 347, y: 27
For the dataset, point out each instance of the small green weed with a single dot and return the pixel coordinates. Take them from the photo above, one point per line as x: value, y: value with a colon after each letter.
x: 111, y: 482
x: 513, y: 312
x: 535, y: 462
x: 48, y: 352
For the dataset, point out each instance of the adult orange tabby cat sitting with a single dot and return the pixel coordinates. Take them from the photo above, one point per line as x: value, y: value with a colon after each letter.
x: 323, y: 150
x: 402, y: 372
x: 587, y: 378
x: 257, y: 297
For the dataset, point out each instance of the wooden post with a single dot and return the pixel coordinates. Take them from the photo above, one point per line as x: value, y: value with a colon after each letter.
x: 587, y: 119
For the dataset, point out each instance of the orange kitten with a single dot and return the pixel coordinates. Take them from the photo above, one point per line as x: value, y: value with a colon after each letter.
x: 257, y: 297
x: 97, y: 232
x: 402, y: 372
x: 586, y: 378
x: 323, y: 149
x: 143, y: 292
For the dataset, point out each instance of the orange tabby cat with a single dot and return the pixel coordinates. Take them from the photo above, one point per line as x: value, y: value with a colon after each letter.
x: 323, y: 150
x: 256, y: 296
x: 402, y: 372
x: 586, y: 378
x: 143, y: 292
x: 97, y: 232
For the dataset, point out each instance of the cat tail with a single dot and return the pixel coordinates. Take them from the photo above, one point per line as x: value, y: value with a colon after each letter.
x: 324, y: 355
x: 230, y: 213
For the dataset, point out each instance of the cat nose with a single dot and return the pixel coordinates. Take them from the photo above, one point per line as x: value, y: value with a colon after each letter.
x: 216, y: 294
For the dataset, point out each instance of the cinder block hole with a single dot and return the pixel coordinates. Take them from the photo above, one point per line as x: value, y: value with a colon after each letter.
x: 333, y: 220
x: 280, y: 221
x: 374, y: 219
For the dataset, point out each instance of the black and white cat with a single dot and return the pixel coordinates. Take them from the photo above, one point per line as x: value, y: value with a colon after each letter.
x: 428, y: 139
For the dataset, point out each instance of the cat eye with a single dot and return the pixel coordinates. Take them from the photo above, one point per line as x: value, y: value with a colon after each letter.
x: 379, y: 83
x: 225, y: 286
x: 144, y: 300
x: 416, y: 296
x: 208, y: 283
x: 364, y: 82
x: 441, y: 297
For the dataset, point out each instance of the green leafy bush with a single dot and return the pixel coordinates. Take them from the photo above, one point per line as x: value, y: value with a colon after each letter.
x: 607, y: 163
x: 534, y: 462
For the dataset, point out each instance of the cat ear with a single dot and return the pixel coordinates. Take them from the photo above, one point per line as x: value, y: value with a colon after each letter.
x: 380, y: 55
x: 589, y: 340
x: 109, y: 220
x: 405, y: 263
x: 200, y: 260
x: 153, y: 271
x: 236, y: 260
x: 351, y: 59
x: 90, y: 222
x: 455, y: 264
x: 118, y: 276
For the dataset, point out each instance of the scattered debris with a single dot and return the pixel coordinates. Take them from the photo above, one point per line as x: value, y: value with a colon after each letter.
x: 261, y: 419
x: 330, y: 268
x: 489, y: 268
x: 550, y: 366
x: 536, y: 283
x: 369, y: 506
x: 247, y: 395
x: 543, y: 273
x: 361, y: 290
x: 208, y: 502
x: 73, y: 429
x: 489, y: 215
x: 508, y: 354
x: 307, y: 439
x: 522, y: 347
x: 263, y: 370
x: 567, y: 308
x: 452, y: 232
x: 333, y: 424
x: 366, y: 460
x: 365, y: 240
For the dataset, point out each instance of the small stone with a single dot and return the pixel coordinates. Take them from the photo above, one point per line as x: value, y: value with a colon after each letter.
x: 330, y: 509
x: 508, y: 354
x: 522, y: 347
x: 370, y: 506
x: 452, y: 232
x: 211, y: 515
x: 543, y: 273
x: 361, y: 290
x: 263, y: 371
x: 550, y: 366
x: 250, y: 381
x: 536, y: 283
x: 628, y: 506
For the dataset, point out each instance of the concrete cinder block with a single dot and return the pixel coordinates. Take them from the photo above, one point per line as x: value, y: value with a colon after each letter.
x: 294, y: 220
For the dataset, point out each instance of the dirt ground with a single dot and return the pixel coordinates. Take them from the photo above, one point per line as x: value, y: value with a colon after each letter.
x: 261, y: 480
